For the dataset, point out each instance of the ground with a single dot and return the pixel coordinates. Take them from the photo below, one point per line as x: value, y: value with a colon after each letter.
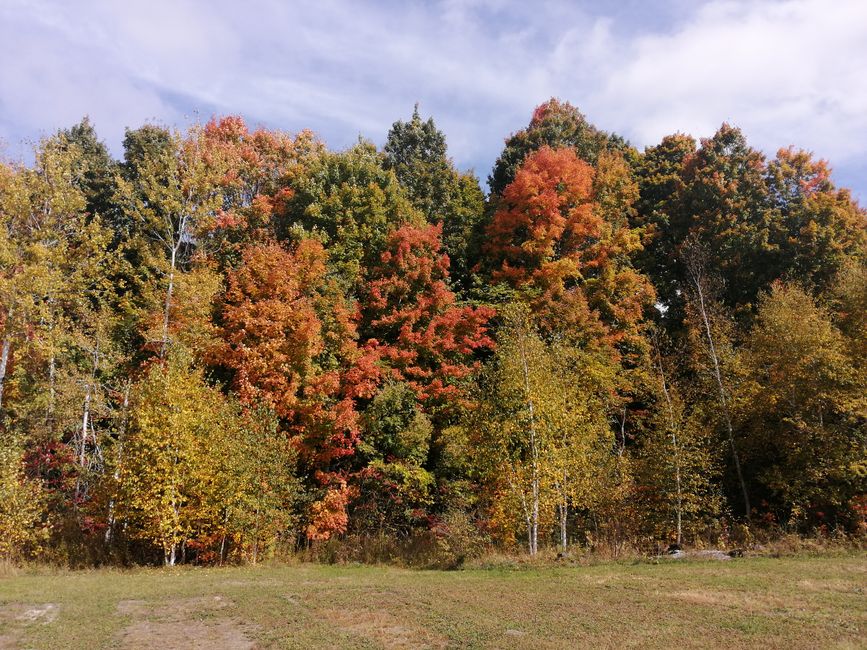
x: 801, y: 602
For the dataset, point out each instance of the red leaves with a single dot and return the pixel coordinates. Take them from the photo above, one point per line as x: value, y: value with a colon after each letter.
x: 420, y: 334
x: 291, y: 340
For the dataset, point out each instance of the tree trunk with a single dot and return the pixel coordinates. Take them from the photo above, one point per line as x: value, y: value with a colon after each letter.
x: 534, y: 454
x: 722, y: 395
x: 168, y: 305
x: 534, y: 505
x: 85, y: 419
x: 109, y: 531
x: 82, y: 458
x: 564, y: 511
x: 4, y: 360
x: 672, y: 425
x: 527, y: 517
x: 52, y: 374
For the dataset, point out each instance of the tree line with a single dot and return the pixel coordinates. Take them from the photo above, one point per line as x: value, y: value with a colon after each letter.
x: 235, y: 343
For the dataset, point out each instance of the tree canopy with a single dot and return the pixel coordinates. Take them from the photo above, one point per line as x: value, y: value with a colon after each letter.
x: 233, y: 342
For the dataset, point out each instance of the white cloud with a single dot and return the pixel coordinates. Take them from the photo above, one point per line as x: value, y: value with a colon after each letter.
x: 785, y: 71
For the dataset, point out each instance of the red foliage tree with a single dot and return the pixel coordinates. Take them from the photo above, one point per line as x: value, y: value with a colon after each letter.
x: 412, y: 321
x: 252, y: 168
x: 546, y: 218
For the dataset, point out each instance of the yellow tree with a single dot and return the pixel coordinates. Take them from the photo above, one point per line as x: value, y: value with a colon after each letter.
x: 22, y: 505
x: 261, y: 494
x: 804, y: 409
x: 541, y: 425
x: 170, y: 479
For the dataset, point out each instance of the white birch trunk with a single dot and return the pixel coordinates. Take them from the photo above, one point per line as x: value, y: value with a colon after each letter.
x: 85, y: 420
x: 168, y: 305
x: 4, y: 360
x: 723, y: 398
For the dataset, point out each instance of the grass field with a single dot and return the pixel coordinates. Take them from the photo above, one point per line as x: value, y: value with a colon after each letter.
x: 805, y: 602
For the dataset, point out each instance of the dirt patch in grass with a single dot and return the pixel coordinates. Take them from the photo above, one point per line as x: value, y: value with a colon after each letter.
x: 383, y: 628
x: 29, y: 613
x: 193, y: 635
x: 172, y: 609
x: 178, y: 624
x: 16, y: 617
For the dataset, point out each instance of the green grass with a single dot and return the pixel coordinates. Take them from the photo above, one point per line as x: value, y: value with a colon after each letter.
x: 801, y: 602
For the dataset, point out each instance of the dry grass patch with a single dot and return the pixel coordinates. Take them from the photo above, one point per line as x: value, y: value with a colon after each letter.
x: 384, y: 628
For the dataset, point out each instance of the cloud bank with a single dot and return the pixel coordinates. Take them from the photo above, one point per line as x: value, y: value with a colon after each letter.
x: 786, y: 72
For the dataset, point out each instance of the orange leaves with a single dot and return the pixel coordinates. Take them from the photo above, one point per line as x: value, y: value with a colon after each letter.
x: 291, y: 342
x: 551, y: 239
x: 271, y: 324
x: 546, y: 215
x: 328, y: 516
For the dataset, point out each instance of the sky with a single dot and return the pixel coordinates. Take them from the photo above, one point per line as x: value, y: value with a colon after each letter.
x: 784, y: 71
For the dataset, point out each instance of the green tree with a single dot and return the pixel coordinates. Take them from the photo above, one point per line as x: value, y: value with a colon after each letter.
x: 262, y: 491
x: 396, y: 490
x: 350, y: 202
x: 416, y: 151
x: 660, y: 178
x: 97, y: 170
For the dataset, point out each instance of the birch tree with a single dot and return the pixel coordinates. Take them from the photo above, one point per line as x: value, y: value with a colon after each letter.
x: 700, y: 304
x: 540, y: 429
x: 173, y: 198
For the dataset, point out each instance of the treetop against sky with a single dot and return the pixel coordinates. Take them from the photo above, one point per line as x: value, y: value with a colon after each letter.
x: 785, y: 71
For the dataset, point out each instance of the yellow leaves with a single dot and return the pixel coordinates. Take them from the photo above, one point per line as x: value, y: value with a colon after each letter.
x: 194, y: 466
x: 172, y: 450
x: 543, y: 420
x: 22, y: 530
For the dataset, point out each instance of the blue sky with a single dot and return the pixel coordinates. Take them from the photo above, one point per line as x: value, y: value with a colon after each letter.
x: 786, y: 72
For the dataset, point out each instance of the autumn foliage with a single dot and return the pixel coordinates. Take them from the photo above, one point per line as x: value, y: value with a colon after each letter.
x: 414, y: 324
x: 548, y: 238
x: 290, y: 341
x: 234, y: 344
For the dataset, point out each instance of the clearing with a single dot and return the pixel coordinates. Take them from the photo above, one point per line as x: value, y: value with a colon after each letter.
x: 800, y: 602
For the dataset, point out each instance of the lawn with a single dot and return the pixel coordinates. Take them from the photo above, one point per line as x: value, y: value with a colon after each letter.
x: 802, y: 602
